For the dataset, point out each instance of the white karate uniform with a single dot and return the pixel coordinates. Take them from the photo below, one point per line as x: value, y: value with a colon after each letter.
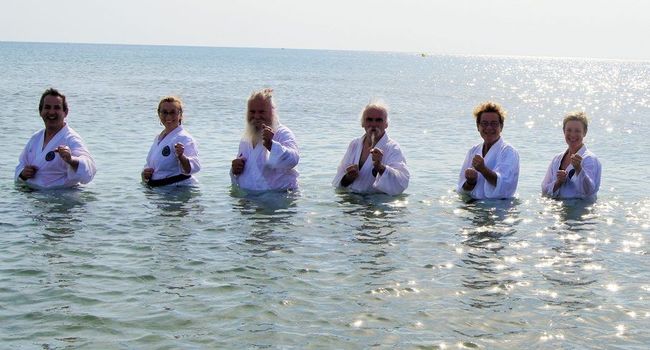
x: 503, y: 159
x: 264, y: 170
x: 162, y: 157
x: 393, y: 181
x: 584, y: 185
x: 56, y: 173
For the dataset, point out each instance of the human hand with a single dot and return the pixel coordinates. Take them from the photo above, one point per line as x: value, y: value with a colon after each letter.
x: 478, y: 163
x: 471, y: 176
x: 562, y: 176
x: 352, y: 172
x: 576, y: 161
x: 29, y: 171
x: 238, y: 166
x: 179, y: 148
x: 377, y: 156
x: 64, y: 153
x: 267, y: 136
x: 147, y: 173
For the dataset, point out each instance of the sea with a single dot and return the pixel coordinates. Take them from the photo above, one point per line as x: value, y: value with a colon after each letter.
x: 117, y: 265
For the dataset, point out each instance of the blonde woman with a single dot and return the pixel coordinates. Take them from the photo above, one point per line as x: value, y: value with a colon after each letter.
x: 173, y: 158
x: 575, y: 172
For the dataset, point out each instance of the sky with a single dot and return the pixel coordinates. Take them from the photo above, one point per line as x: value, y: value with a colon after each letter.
x: 614, y: 29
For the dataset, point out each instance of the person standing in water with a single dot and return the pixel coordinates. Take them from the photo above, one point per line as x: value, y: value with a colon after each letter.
x: 173, y: 158
x: 574, y: 173
x: 56, y: 156
x: 373, y: 163
x: 268, y: 152
x: 491, y: 168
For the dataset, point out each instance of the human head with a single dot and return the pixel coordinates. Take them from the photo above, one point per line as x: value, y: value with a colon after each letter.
x: 489, y: 107
x: 53, y: 92
x: 164, y: 112
x: 171, y: 99
x: 379, y: 105
x: 374, y: 118
x: 489, y: 121
x: 261, y: 110
x: 577, y: 116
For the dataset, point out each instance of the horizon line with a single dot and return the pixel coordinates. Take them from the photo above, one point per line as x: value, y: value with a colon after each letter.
x: 420, y: 53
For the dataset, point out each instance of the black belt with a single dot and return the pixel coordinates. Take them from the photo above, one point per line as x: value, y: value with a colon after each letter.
x: 168, y: 180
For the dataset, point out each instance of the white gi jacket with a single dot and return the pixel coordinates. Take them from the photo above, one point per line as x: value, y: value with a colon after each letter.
x: 503, y: 159
x: 266, y: 170
x: 584, y: 185
x: 393, y: 181
x: 52, y: 171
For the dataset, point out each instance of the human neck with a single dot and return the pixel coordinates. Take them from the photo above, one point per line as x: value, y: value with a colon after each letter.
x: 575, y: 149
x: 52, y: 130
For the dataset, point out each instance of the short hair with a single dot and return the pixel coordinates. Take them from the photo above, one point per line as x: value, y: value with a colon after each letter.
x: 53, y: 92
x: 171, y: 99
x: 376, y: 104
x: 578, y: 116
x: 489, y: 107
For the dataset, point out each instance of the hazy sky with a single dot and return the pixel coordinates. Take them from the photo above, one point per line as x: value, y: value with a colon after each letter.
x: 565, y: 28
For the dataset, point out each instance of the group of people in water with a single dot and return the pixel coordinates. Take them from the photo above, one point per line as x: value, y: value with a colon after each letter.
x: 57, y: 157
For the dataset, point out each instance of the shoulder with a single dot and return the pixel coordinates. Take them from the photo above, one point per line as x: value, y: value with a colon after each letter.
x: 508, y: 148
x: 36, y: 135
x: 284, y: 132
x: 184, y: 136
x: 590, y: 157
x: 73, y: 136
x: 473, y: 149
x: 356, y: 141
x: 392, y: 144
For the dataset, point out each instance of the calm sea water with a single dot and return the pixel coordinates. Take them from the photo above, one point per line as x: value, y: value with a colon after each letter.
x: 118, y: 266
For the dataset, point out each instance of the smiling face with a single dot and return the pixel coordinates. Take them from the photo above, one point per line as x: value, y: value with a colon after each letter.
x: 53, y: 113
x: 489, y: 126
x: 170, y: 114
x: 260, y: 112
x: 574, y: 133
x: 375, y: 122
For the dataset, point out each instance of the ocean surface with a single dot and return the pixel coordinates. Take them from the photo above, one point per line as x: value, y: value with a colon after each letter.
x: 115, y: 265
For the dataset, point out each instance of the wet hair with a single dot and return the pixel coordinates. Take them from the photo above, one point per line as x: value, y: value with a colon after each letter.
x: 171, y: 99
x: 489, y: 107
x: 376, y: 104
x: 578, y: 116
x: 53, y: 92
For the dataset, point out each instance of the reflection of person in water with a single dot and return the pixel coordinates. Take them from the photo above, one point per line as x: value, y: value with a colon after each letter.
x: 486, y: 239
x: 574, y: 173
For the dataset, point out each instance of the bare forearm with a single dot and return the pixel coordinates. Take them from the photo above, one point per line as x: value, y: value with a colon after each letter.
x: 490, y: 176
x: 185, y: 164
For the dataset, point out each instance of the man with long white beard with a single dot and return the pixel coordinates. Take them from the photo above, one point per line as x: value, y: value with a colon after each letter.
x: 268, y: 152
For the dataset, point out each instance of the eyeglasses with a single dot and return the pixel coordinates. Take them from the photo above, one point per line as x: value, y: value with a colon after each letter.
x: 493, y: 124
x: 376, y: 120
x: 173, y: 112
